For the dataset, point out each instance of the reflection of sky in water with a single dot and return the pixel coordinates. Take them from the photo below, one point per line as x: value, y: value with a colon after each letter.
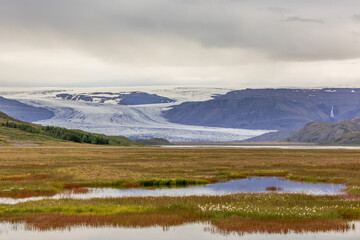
x: 264, y: 146
x: 254, y: 184
x: 191, y: 231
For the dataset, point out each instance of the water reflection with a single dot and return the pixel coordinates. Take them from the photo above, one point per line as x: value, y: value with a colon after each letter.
x: 197, y: 231
x: 300, y: 147
x: 247, y: 185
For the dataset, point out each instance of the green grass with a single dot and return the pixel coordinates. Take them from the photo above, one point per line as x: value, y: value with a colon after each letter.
x: 253, y: 206
x: 18, y: 135
x: 16, y: 131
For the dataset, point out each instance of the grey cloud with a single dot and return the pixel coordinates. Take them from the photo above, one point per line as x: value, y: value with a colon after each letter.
x: 356, y: 18
x: 105, y: 28
x: 304, y: 20
x: 278, y: 10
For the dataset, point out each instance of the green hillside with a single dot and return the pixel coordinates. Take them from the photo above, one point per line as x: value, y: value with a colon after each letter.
x: 16, y: 132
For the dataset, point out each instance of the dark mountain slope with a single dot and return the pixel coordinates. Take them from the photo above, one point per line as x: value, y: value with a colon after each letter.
x: 348, y: 138
x: 270, y: 108
x: 154, y: 141
x: 321, y: 132
x: 278, y: 136
x: 23, y: 111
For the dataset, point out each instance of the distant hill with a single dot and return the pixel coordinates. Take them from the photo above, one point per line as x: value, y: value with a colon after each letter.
x: 154, y: 141
x: 278, y: 136
x: 23, y: 111
x: 270, y: 108
x: 344, y: 132
x: 14, y: 130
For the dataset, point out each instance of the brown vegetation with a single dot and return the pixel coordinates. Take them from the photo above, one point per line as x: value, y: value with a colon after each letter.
x: 47, y: 171
x: 25, y: 178
x: 240, y: 226
x: 273, y: 188
x: 50, y: 170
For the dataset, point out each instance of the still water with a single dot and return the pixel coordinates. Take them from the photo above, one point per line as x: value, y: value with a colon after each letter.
x: 247, y: 185
x: 300, y: 147
x: 198, y: 231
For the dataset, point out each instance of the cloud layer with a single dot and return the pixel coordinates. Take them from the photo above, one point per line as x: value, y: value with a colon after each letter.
x: 179, y: 42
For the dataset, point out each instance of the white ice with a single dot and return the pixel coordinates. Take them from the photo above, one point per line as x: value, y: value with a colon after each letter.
x: 136, y: 121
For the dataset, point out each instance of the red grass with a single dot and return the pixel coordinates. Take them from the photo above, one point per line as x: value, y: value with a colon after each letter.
x: 273, y: 188
x: 62, y: 221
x: 222, y: 226
x: 25, y: 194
x: 241, y: 226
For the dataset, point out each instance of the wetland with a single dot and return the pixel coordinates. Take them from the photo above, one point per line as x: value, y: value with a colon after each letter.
x: 243, y: 191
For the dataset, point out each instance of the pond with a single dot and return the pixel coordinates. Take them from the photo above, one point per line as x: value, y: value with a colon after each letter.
x: 199, y: 231
x: 294, y: 147
x: 246, y: 185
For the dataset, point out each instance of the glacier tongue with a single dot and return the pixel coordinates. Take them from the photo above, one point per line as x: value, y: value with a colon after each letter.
x: 135, y: 121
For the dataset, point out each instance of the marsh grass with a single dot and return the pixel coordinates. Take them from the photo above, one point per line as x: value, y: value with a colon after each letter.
x: 251, y: 206
x: 25, y: 178
x: 116, y: 167
x: 249, y: 226
x: 241, y: 226
x: 34, y: 172
x: 173, y: 211
x: 171, y: 183
x: 273, y: 188
x: 53, y: 170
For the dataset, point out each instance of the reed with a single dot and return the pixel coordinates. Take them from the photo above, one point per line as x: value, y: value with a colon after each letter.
x: 240, y: 226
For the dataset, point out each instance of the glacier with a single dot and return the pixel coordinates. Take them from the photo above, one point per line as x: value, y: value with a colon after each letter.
x: 133, y: 121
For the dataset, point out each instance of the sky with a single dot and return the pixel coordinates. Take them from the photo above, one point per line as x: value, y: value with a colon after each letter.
x: 229, y: 43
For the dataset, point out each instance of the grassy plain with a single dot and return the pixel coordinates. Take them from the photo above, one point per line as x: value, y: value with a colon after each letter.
x: 46, y: 171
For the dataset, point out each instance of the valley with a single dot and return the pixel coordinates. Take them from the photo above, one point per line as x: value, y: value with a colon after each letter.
x: 187, y: 114
x: 158, y: 119
x: 55, y: 178
x: 132, y: 121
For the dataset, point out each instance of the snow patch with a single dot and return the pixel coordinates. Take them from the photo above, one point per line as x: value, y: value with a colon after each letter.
x: 332, y: 115
x: 112, y: 101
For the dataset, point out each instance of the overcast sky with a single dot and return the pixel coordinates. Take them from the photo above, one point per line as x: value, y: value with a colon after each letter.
x: 230, y: 43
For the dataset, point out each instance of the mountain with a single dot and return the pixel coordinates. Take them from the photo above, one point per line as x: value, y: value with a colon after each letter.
x: 23, y: 111
x: 345, y: 132
x: 352, y: 138
x: 189, y: 114
x: 269, y: 108
x: 154, y: 141
x: 96, y: 110
x: 278, y: 136
x: 19, y: 132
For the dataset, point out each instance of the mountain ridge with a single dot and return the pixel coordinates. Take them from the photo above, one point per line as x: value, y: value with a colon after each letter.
x: 344, y: 132
x: 271, y: 109
x: 23, y: 111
